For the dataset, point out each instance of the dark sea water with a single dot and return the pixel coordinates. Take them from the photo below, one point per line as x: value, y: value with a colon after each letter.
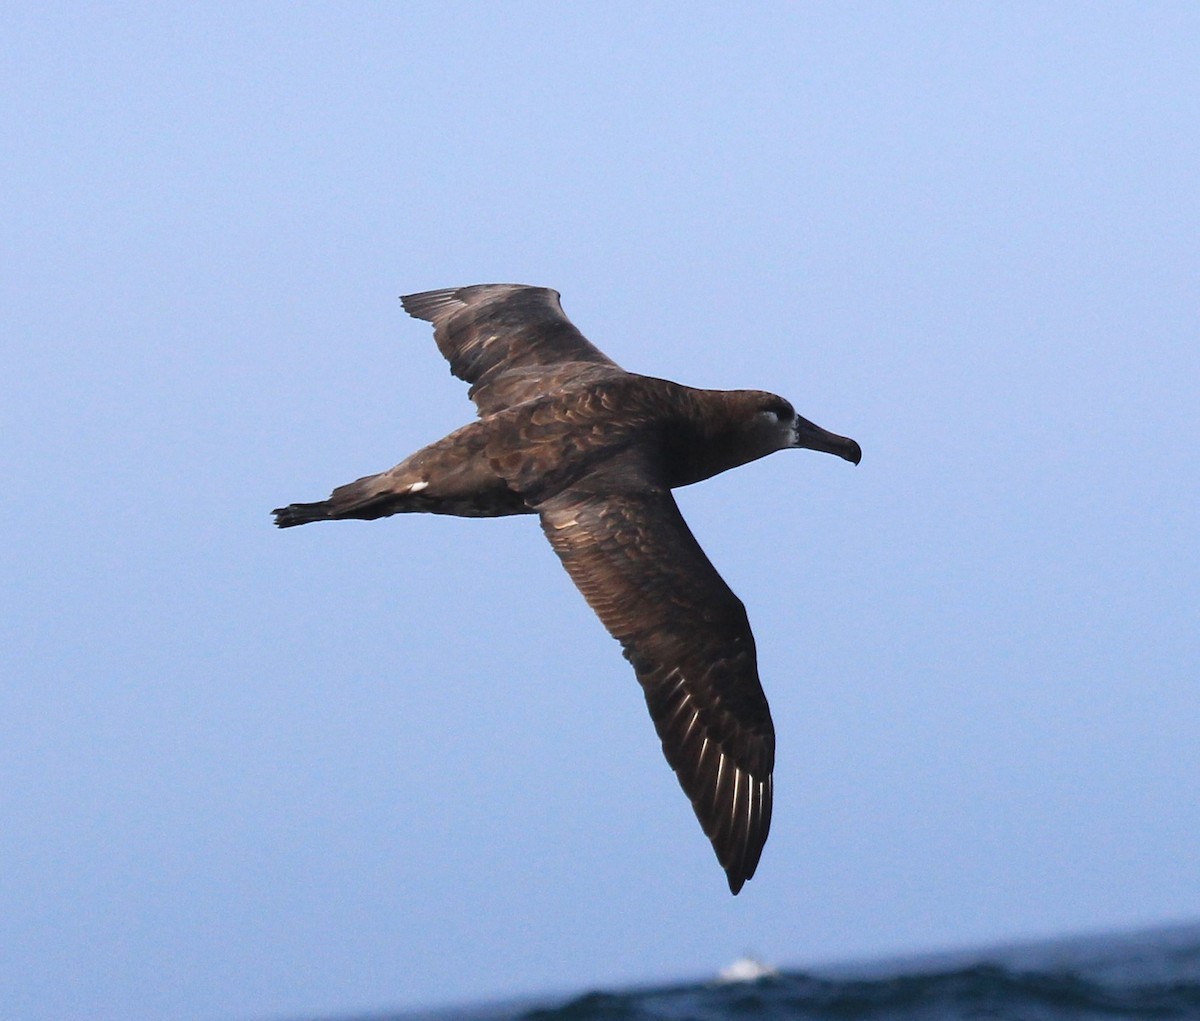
x: 1154, y: 974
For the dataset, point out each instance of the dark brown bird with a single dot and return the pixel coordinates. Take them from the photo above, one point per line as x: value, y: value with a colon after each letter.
x: 567, y: 434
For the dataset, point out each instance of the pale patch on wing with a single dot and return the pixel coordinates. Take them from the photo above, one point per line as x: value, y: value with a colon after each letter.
x: 688, y: 733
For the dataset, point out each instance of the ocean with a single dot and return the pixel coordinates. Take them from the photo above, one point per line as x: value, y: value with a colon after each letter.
x: 1151, y: 974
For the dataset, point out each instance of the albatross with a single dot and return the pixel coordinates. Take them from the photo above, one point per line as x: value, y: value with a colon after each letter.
x: 565, y: 433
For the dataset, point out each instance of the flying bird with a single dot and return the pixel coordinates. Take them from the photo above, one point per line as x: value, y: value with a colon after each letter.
x: 565, y: 433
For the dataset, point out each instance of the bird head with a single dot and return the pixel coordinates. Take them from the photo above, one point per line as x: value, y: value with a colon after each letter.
x: 776, y: 426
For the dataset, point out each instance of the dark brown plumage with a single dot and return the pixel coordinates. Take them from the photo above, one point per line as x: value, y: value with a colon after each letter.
x: 566, y: 433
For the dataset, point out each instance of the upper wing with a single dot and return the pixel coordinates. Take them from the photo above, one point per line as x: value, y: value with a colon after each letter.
x: 511, y: 342
x: 687, y: 635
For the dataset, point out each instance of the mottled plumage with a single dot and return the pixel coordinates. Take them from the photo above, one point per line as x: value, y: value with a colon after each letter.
x: 566, y: 433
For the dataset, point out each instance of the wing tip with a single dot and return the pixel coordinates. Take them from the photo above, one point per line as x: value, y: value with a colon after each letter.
x: 741, y: 870
x: 428, y: 305
x: 739, y: 846
x: 435, y: 305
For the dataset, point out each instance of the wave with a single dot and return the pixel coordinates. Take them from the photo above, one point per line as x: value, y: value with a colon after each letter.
x: 1133, y: 979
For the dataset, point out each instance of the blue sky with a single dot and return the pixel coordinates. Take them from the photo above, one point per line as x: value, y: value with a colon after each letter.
x: 250, y: 773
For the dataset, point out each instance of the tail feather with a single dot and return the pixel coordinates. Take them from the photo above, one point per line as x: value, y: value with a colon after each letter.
x: 366, y: 499
x: 301, y: 513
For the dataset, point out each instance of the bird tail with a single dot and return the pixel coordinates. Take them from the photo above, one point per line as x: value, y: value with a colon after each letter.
x: 366, y: 499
